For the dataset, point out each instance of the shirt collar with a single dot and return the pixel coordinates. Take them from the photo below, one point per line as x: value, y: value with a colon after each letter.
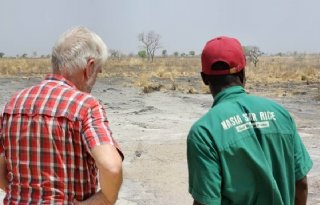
x: 228, y: 93
x: 60, y: 78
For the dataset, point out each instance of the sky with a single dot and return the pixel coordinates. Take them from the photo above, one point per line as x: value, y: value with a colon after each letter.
x: 184, y: 25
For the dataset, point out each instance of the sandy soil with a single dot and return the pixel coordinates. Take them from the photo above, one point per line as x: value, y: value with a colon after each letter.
x: 152, y: 128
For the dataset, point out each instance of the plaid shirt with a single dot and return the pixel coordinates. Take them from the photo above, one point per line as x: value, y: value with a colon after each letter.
x: 46, y: 134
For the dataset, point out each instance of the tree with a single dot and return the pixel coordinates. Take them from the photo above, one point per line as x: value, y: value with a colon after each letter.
x: 246, y: 50
x: 164, y: 53
x: 192, y: 53
x: 176, y: 54
x: 253, y: 53
x: 34, y: 54
x: 115, y: 54
x: 1, y: 54
x: 24, y: 55
x: 142, y: 54
x: 151, y: 43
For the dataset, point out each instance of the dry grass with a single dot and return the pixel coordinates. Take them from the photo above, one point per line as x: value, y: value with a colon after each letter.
x: 181, y: 74
x: 24, y: 66
x: 285, y: 69
x: 163, y: 73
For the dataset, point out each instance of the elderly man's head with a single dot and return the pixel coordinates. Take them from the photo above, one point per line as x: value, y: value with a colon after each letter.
x: 79, y: 55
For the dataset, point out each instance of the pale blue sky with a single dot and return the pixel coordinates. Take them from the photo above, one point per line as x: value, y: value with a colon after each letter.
x: 184, y: 25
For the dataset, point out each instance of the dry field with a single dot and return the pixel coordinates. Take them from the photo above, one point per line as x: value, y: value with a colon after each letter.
x: 182, y: 74
x: 271, y: 68
x: 151, y: 127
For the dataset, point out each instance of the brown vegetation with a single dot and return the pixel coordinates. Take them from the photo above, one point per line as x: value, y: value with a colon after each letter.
x: 286, y: 69
x: 24, y: 66
x: 182, y: 74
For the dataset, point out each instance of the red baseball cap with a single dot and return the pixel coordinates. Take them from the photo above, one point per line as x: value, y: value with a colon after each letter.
x: 225, y: 49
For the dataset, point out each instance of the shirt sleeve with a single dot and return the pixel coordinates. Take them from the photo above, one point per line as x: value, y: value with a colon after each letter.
x: 204, y: 170
x: 303, y: 162
x: 96, y: 128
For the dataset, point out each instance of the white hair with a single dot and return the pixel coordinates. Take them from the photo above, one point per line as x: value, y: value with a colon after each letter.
x: 75, y: 47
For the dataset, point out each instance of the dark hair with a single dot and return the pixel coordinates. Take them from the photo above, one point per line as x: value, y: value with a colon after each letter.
x: 225, y: 80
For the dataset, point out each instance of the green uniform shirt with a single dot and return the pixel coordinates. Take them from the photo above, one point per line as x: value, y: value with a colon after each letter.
x: 245, y: 150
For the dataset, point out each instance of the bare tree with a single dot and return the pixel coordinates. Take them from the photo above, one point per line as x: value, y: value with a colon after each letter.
x: 253, y: 53
x: 151, y: 43
x: 115, y: 54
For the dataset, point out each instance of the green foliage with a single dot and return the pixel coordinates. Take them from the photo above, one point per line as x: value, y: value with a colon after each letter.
x: 1, y: 54
x: 192, y: 53
x: 164, y: 53
x: 142, y: 54
x: 176, y: 54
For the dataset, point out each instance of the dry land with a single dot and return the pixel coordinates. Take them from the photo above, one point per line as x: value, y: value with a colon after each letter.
x: 151, y: 128
x: 152, y: 105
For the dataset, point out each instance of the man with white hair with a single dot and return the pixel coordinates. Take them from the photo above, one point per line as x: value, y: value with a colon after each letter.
x: 54, y: 136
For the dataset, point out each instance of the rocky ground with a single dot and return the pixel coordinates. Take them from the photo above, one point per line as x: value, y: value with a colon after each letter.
x: 151, y: 129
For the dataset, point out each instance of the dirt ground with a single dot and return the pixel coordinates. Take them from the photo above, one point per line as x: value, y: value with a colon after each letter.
x: 151, y: 129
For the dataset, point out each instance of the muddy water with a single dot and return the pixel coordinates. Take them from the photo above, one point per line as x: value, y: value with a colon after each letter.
x: 155, y: 164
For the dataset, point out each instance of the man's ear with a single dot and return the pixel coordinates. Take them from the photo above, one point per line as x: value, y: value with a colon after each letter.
x: 204, y: 78
x: 89, y: 69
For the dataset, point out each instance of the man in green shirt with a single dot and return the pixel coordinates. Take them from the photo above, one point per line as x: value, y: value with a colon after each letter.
x: 245, y: 149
